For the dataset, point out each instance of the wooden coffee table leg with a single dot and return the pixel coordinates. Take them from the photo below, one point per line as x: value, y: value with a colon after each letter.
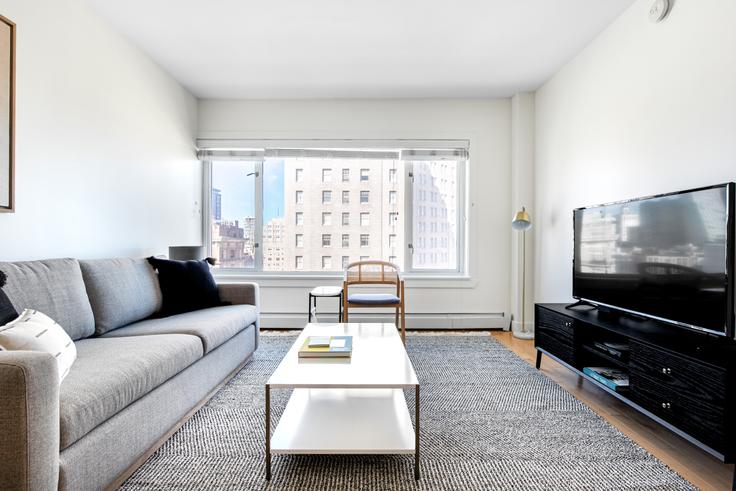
x: 416, y: 436
x: 268, y: 432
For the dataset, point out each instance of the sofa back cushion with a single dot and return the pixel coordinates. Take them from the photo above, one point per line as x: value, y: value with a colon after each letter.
x: 54, y: 287
x: 121, y: 291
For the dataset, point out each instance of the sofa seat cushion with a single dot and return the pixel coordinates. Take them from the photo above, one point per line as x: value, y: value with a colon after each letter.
x: 110, y: 374
x: 213, y: 326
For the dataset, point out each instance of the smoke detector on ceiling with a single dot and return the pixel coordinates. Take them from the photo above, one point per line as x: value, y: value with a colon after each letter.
x: 658, y: 10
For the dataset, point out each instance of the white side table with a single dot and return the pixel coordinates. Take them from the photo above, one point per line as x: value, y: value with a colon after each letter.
x: 324, y: 292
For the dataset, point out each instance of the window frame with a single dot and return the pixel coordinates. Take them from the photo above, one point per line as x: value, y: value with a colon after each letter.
x: 463, y: 243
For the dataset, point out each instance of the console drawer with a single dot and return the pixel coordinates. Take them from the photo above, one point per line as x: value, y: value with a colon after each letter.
x: 704, y: 421
x: 554, y: 333
x: 686, y: 377
x: 555, y: 326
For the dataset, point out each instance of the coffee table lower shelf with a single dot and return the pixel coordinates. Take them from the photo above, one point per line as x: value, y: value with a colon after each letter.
x: 344, y: 421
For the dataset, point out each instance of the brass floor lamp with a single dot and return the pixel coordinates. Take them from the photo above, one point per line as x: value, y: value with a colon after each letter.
x: 522, y: 222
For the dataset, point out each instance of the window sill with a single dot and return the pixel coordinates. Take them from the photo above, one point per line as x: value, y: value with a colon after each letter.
x: 308, y: 280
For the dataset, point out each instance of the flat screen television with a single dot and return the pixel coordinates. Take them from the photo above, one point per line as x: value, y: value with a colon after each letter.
x: 668, y: 257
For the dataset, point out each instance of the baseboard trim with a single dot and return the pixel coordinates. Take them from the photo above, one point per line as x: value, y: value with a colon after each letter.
x: 139, y: 462
x: 413, y: 321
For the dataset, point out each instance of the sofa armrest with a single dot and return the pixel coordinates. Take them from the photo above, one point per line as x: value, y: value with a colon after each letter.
x: 243, y: 294
x: 29, y: 420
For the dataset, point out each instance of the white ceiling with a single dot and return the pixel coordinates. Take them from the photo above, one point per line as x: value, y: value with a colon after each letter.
x: 360, y: 48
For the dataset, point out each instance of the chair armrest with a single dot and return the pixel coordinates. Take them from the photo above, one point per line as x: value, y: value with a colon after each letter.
x: 29, y: 420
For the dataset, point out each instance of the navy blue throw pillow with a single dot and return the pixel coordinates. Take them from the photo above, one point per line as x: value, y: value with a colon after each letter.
x: 185, y: 285
x: 7, y: 311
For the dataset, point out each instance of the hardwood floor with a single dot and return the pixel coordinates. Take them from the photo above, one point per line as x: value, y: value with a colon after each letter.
x: 692, y: 463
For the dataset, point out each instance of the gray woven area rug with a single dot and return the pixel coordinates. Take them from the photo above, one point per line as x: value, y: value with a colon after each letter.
x: 489, y: 421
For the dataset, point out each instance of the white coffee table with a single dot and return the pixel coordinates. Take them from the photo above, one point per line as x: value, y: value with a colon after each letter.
x: 346, y: 406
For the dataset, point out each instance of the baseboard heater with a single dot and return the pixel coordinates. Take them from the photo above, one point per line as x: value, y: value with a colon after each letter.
x: 464, y: 321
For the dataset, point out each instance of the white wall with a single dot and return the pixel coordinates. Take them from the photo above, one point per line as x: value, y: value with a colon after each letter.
x: 105, y: 142
x: 486, y: 123
x: 646, y: 108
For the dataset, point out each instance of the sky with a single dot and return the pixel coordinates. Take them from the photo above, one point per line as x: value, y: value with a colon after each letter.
x: 238, y: 189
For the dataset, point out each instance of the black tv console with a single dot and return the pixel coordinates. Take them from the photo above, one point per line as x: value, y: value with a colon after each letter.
x: 683, y: 380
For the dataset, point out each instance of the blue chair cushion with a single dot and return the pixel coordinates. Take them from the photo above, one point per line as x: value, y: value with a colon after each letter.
x: 373, y: 298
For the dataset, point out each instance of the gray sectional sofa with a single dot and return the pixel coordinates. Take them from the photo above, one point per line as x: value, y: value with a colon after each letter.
x: 136, y: 376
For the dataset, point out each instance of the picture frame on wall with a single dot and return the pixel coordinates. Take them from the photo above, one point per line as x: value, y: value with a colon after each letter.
x: 7, y: 115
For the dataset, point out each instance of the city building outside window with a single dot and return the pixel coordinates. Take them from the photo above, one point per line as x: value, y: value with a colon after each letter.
x: 364, y: 258
x: 345, y: 262
x: 256, y: 209
x: 326, y: 262
x: 346, y: 240
x: 326, y: 240
x: 392, y: 259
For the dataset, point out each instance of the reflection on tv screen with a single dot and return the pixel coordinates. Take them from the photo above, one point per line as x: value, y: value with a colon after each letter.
x: 663, y: 256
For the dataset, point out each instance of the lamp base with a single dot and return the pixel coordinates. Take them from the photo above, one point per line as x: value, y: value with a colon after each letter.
x: 516, y: 330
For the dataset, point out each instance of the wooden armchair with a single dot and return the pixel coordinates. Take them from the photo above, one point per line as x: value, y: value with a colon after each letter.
x: 375, y: 273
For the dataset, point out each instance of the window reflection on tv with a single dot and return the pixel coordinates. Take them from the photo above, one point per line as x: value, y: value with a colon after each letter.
x: 664, y: 257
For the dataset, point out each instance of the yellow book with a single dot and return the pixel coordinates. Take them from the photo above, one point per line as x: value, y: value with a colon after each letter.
x: 338, y: 347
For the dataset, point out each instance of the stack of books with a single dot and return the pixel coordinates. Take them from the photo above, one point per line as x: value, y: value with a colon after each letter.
x: 327, y: 347
x: 612, y: 378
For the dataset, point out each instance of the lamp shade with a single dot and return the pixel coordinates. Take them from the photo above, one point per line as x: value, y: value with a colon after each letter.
x: 186, y: 253
x: 522, y: 220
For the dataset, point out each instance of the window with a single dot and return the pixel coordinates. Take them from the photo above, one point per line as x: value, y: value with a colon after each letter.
x: 393, y: 219
x: 364, y: 258
x: 345, y: 262
x: 263, y: 214
x: 326, y: 262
